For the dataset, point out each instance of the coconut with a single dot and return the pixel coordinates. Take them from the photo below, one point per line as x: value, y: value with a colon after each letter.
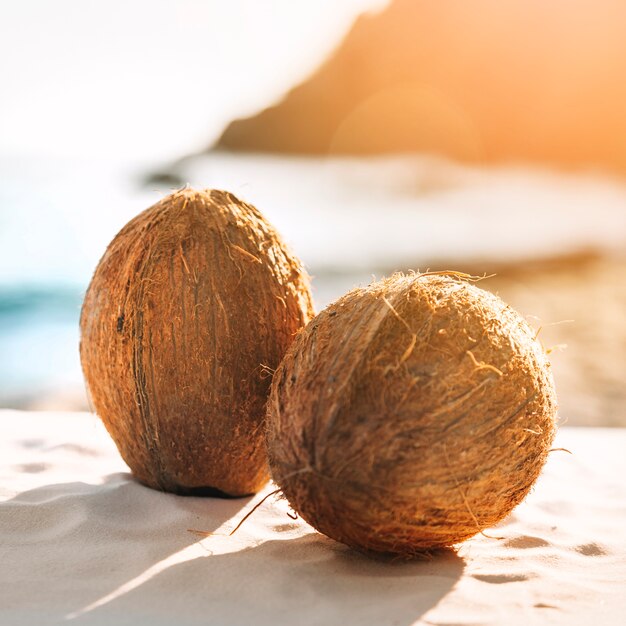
x: 411, y: 414
x: 190, y: 310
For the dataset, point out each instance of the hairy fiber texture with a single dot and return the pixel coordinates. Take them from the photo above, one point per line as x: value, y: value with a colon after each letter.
x: 189, y: 311
x: 411, y: 414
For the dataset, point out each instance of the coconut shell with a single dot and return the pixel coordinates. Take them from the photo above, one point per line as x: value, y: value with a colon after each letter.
x: 411, y: 415
x: 189, y: 312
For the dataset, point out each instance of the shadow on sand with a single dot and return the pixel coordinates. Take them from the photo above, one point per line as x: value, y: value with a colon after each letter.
x: 305, y: 580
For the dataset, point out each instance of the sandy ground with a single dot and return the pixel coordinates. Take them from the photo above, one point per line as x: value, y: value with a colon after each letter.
x: 83, y: 543
x: 580, y: 306
x: 577, y: 303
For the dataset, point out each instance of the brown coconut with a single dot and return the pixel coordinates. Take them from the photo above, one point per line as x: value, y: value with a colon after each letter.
x: 411, y: 415
x: 190, y: 310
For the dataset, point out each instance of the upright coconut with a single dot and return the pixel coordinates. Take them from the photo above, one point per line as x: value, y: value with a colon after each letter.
x: 411, y: 414
x: 190, y: 310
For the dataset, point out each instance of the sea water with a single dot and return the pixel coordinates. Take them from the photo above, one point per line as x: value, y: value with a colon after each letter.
x: 348, y: 219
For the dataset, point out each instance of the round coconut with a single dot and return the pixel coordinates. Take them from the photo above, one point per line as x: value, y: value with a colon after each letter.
x: 411, y: 414
x: 190, y: 310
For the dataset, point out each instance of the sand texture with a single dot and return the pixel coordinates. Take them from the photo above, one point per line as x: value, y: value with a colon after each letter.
x: 83, y: 543
x: 577, y: 305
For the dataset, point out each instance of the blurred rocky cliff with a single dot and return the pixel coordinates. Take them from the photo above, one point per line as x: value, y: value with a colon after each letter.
x: 481, y: 81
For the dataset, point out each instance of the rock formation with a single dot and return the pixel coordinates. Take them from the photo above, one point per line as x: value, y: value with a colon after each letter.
x: 482, y: 81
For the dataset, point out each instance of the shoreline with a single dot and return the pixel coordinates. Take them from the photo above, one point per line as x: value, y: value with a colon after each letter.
x: 586, y: 287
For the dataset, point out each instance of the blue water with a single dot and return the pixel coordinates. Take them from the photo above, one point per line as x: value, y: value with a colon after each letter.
x: 38, y: 342
x: 56, y: 217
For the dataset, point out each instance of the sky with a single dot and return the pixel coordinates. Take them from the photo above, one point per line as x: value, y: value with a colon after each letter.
x: 152, y: 79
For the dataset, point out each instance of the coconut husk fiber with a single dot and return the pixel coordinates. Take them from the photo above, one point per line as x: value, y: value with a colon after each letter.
x: 411, y: 414
x: 190, y: 310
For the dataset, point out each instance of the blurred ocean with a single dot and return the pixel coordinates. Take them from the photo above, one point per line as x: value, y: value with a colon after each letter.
x: 348, y: 219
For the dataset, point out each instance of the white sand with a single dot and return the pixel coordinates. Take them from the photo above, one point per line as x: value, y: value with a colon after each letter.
x: 82, y: 543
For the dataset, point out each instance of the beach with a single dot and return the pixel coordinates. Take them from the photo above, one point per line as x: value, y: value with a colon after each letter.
x: 483, y: 141
x: 85, y: 544
x: 551, y: 240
